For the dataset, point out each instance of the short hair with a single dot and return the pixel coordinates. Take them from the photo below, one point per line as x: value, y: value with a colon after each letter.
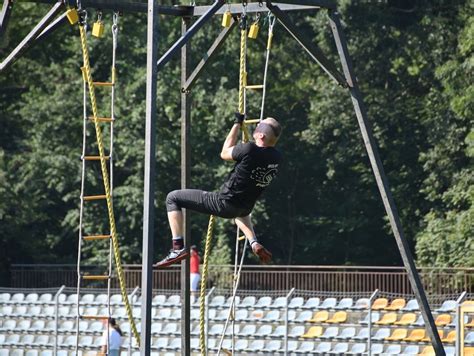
x: 275, y: 126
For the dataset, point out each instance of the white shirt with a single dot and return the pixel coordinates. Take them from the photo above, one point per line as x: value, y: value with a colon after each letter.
x: 115, y: 340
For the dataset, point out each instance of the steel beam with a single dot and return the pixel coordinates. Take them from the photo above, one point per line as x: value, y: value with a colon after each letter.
x: 382, y: 183
x: 58, y: 22
x: 149, y: 178
x: 325, y: 4
x: 252, y: 7
x: 313, y: 50
x: 207, y: 58
x: 5, y: 15
x: 185, y: 182
x: 190, y: 33
x: 31, y: 37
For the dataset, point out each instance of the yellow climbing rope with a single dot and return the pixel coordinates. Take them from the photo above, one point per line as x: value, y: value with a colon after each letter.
x: 105, y: 177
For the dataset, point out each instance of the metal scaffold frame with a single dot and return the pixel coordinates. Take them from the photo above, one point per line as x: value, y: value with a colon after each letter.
x: 346, y: 79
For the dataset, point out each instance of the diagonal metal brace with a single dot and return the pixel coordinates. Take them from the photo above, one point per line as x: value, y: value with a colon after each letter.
x: 208, y: 56
x: 313, y: 50
x: 165, y: 58
x: 32, y: 36
x: 5, y: 15
x: 382, y: 183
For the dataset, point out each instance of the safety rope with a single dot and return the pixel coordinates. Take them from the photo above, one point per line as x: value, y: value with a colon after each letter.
x: 271, y: 24
x: 105, y: 177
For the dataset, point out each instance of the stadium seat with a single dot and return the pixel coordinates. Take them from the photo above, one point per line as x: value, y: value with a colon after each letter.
x: 9, y: 325
x: 387, y: 319
x: 158, y: 300
x: 156, y: 328
x: 96, y: 327
x: 393, y: 350
x: 252, y: 346
x: 296, y: 303
x: 322, y: 348
x: 247, y: 330
x: 71, y: 299
x: 48, y: 353
x: 217, y: 302
x: 338, y: 318
x: 381, y: 334
x: 406, y: 319
x: 411, y: 350
x: 6, y: 311
x: 450, y: 338
x: 228, y: 302
x: 164, y: 313
x: 264, y: 302
x: 313, y: 332
x: 279, y: 303
x: 4, y: 298
x: 292, y: 346
x: 363, y: 334
x: 255, y: 315
x: 271, y: 316
x: 361, y: 303
x: 469, y: 338
x: 274, y: 346
x: 101, y: 299
x: 319, y: 317
x: 347, y: 333
x: 328, y: 303
x: 26, y: 341
x: 375, y: 317
x: 31, y: 353
x: 345, y: 303
x: 264, y: 331
x: 443, y: 320
x: 427, y: 338
x: 241, y: 314
x: 171, y: 329
x: 307, y: 347
x: 43, y: 340
x: 66, y: 326
x: 17, y: 298
x: 63, y: 311
x: 291, y: 315
x: 447, y: 306
x: 86, y: 341
x: 469, y: 351
x: 23, y: 325
x: 38, y: 326
x: 428, y: 350
x: 312, y: 303
x: 296, y: 331
x: 88, y: 298
x: 303, y: 316
x: 358, y: 349
x: 216, y: 329
x: 195, y: 314
x: 248, y: 302
x: 397, y: 335
x: 330, y: 332
x: 160, y: 343
x: 50, y: 326
x: 115, y: 299
x: 454, y: 322
x: 34, y: 311
x: 175, y: 345
x: 221, y: 315
x: 419, y: 321
x: 416, y: 335
x: 48, y: 311
x: 376, y: 349
x: 412, y: 305
x: 69, y: 341
x: 279, y: 332
x: 340, y: 348
x: 31, y: 298
x: 396, y: 304
x: 380, y: 303
x: 173, y: 301
x: 4, y: 352
x: 20, y: 311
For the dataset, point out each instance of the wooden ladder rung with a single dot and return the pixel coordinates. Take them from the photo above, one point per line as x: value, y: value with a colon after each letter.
x: 102, y: 119
x: 98, y: 317
x: 94, y: 158
x: 95, y: 278
x: 96, y: 237
x: 254, y: 87
x: 94, y: 197
x: 103, y: 84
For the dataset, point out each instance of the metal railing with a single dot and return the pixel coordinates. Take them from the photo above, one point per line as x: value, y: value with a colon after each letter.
x: 321, y: 278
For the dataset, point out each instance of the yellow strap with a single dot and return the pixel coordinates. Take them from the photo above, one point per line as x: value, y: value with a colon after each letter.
x: 105, y: 177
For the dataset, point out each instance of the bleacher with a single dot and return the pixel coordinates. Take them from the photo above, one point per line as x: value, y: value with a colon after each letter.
x: 318, y: 323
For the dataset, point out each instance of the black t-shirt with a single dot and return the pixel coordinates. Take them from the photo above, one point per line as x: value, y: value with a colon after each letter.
x: 254, y: 170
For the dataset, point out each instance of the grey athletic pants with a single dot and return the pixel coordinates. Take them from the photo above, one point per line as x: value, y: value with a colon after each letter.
x: 204, y: 202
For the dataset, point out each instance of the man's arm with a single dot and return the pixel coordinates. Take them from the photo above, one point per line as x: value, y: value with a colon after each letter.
x: 230, y: 142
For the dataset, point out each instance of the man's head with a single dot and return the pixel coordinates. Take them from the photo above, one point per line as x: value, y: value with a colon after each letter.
x: 267, y: 132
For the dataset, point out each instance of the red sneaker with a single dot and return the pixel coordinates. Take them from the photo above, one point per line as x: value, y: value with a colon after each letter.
x: 173, y: 257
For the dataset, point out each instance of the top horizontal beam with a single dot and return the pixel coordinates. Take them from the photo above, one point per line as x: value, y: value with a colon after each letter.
x: 192, y: 11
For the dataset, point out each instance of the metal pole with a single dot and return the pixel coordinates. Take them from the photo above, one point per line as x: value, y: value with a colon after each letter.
x: 382, y: 183
x: 130, y: 334
x: 56, y: 317
x: 206, y: 325
x: 5, y: 15
x: 149, y: 187
x: 286, y: 319
x: 190, y: 33
x: 459, y: 323
x: 185, y: 177
x: 369, y: 339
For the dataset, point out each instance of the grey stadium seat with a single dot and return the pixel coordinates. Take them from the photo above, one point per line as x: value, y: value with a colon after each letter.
x: 347, y: 333
x: 23, y: 325
x: 175, y: 344
x: 344, y: 303
x: 34, y: 311
x: 412, y: 305
x: 328, y: 303
x: 229, y: 301
x: 12, y: 340
x: 255, y: 345
x: 6, y: 311
x: 43, y: 340
x: 306, y: 347
x: 272, y: 315
x: 248, y: 302
x: 217, y: 302
x: 304, y: 316
x: 375, y: 317
x: 241, y: 345
x: 330, y: 332
x: 274, y: 346
x: 216, y: 329
x: 20, y: 311
x: 101, y: 299
x: 17, y: 298
x: 447, y: 306
x: 8, y: 325
x: 31, y: 353
x: 292, y: 345
x: 86, y: 341
x: 264, y: 302
x: 159, y: 299
x: 222, y: 315
x: 279, y: 332
x: 248, y: 330
x: 312, y: 303
x: 377, y: 349
x: 296, y: 303
x: 264, y: 331
x: 291, y: 315
x: 296, y: 331
x: 381, y: 334
x: 279, y: 303
x: 323, y: 347
x: 358, y: 348
x: 340, y: 348
x: 115, y: 299
x: 469, y: 338
x: 171, y: 329
x: 156, y: 328
x: 241, y: 314
x: 450, y: 350
x: 26, y: 340
x: 88, y: 298
x: 173, y: 301
x: 5, y: 297
x: 419, y: 321
x: 393, y: 350
x: 361, y: 303
x: 48, y: 310
x: 31, y: 298
x: 411, y: 350
x: 175, y: 315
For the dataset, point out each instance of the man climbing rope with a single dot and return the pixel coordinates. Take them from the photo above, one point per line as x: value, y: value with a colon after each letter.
x: 256, y: 166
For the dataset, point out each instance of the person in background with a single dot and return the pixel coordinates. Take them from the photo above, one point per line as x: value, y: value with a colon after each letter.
x: 115, y: 338
x: 194, y: 266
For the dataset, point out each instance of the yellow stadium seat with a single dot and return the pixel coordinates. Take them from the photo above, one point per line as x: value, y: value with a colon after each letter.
x: 313, y: 332
x: 380, y: 303
x: 416, y: 335
x: 428, y: 351
x: 450, y: 338
x: 320, y: 317
x: 470, y: 324
x: 396, y: 304
x: 397, y: 335
x: 427, y: 338
x: 339, y: 317
x: 469, y: 351
x: 468, y: 303
x: 387, y: 319
x: 406, y: 319
x: 443, y: 320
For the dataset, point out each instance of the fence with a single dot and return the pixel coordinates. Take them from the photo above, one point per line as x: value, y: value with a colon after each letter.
x: 320, y: 278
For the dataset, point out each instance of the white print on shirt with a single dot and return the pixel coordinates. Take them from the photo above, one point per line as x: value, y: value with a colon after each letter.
x: 264, y: 175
